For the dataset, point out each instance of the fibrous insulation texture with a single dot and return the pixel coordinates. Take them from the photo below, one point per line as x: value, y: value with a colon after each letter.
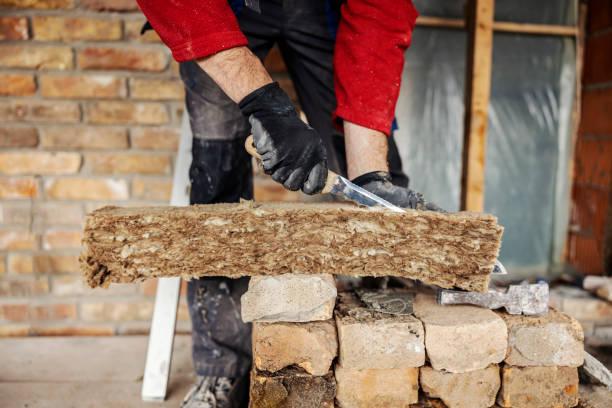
x: 132, y: 244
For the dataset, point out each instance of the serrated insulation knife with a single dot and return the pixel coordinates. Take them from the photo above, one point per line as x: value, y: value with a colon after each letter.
x: 338, y: 185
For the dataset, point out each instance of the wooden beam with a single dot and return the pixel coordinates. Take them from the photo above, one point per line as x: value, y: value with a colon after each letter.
x: 502, y: 26
x: 477, y: 90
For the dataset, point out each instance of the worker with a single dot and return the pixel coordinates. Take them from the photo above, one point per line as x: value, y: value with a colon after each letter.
x: 345, y: 59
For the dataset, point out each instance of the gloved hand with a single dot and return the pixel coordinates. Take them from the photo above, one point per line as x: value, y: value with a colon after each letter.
x: 291, y: 151
x: 379, y: 183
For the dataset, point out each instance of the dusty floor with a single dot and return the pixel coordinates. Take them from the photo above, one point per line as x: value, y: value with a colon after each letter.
x: 85, y: 372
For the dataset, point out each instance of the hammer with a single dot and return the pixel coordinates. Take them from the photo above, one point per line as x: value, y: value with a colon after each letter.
x: 517, y: 299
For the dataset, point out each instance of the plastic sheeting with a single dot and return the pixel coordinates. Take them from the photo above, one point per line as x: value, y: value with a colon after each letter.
x: 532, y: 91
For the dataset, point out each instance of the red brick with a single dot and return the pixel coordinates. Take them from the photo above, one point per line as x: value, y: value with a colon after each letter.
x: 56, y: 263
x: 17, y: 85
x: 22, y: 187
x: 140, y: 113
x: 61, y: 330
x: 18, y: 136
x: 157, y: 89
x: 35, y: 57
x: 111, y: 5
x: 2, y: 265
x: 50, y: 28
x: 133, y: 59
x: 61, y: 239
x: 151, y: 189
x: 596, y: 108
x: 127, y: 163
x: 36, y: 162
x: 39, y: 111
x: 38, y: 4
x: 155, y: 138
x: 17, y: 240
x: 599, y: 15
x: 51, y: 213
x: 598, y: 59
x: 274, y: 62
x: 593, y: 164
x: 55, y: 311
x: 23, y: 287
x: 13, y: 28
x: 86, y: 189
x: 20, y: 264
x: 132, y: 32
x: 84, y: 138
x: 82, y: 86
x: 268, y: 190
x: 116, y: 311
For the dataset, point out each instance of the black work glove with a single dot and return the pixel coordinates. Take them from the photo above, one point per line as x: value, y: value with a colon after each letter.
x: 379, y: 183
x: 291, y: 151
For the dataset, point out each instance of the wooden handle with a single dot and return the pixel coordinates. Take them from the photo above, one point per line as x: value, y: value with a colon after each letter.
x: 331, y: 176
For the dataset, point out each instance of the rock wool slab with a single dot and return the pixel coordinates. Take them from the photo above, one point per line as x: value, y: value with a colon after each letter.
x: 248, y: 239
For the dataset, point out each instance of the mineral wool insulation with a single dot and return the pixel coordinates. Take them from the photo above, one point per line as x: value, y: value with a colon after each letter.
x: 125, y: 245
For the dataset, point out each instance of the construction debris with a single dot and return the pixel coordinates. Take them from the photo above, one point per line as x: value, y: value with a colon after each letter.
x: 594, y: 372
x: 249, y: 239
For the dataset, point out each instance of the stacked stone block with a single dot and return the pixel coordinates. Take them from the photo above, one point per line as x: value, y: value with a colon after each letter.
x: 458, y: 356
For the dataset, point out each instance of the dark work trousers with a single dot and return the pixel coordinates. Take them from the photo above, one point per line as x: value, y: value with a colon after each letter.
x: 221, y: 169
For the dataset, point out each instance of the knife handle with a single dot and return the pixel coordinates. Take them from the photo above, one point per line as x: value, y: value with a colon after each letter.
x: 331, y: 176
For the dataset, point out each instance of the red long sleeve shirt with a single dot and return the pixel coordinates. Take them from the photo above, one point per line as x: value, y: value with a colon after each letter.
x: 368, y: 59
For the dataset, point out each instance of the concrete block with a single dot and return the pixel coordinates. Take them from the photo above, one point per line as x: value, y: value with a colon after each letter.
x: 538, y: 387
x: 291, y: 388
x: 374, y: 340
x: 475, y: 389
x: 459, y: 339
x: 311, y: 346
x: 554, y: 339
x: 289, y: 298
x: 393, y: 388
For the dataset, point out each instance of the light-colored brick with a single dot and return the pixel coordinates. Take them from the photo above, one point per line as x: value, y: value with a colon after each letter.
x: 149, y: 287
x: 13, y: 28
x: 86, y: 189
x: 111, y: 5
x: 374, y: 340
x: 12, y: 330
x: 269, y: 190
x: 84, y: 138
x: 311, y: 346
x: 16, y: 214
x: 554, y: 339
x: 133, y: 59
x: 49, y: 263
x: 50, y: 213
x: 82, y: 86
x: 289, y: 298
x: 291, y: 388
x: 72, y: 330
x: 39, y: 111
x: 151, y: 189
x: 17, y: 240
x: 36, y: 162
x: 132, y: 32
x: 52, y: 28
x: 476, y: 389
x: 116, y: 311
x: 23, y: 287
x: 61, y: 239
x: 20, y: 264
x: 20, y: 312
x: 35, y: 57
x: 127, y: 163
x: 120, y: 112
x: 2, y: 265
x: 73, y: 285
x: 18, y: 136
x: 589, y: 309
x: 18, y: 187
x: 459, y: 339
x: 38, y: 4
x: 157, y: 88
x: 393, y: 388
x: 155, y: 138
x: 535, y: 387
x: 17, y: 85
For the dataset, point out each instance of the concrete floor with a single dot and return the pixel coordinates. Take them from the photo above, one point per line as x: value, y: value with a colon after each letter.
x: 85, y: 372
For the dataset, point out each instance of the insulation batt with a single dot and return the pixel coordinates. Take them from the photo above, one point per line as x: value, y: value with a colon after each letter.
x: 125, y: 245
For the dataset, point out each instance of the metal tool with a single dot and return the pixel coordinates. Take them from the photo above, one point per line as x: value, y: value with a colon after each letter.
x: 387, y: 300
x: 338, y: 185
x: 517, y: 299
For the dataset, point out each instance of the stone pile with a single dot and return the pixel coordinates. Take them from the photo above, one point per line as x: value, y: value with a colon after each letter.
x: 308, y: 353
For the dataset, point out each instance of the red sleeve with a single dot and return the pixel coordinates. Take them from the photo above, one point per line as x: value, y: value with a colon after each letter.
x: 194, y: 28
x: 369, y: 58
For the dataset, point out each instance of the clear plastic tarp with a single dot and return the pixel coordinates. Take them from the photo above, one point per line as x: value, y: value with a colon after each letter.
x: 532, y: 92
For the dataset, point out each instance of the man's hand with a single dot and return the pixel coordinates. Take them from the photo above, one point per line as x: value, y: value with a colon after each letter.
x: 379, y: 183
x: 292, y: 152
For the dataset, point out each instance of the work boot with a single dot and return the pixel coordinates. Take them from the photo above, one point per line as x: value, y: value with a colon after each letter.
x: 211, y: 392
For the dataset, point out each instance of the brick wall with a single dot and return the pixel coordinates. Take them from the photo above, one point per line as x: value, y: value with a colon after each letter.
x: 90, y: 113
x: 593, y: 160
